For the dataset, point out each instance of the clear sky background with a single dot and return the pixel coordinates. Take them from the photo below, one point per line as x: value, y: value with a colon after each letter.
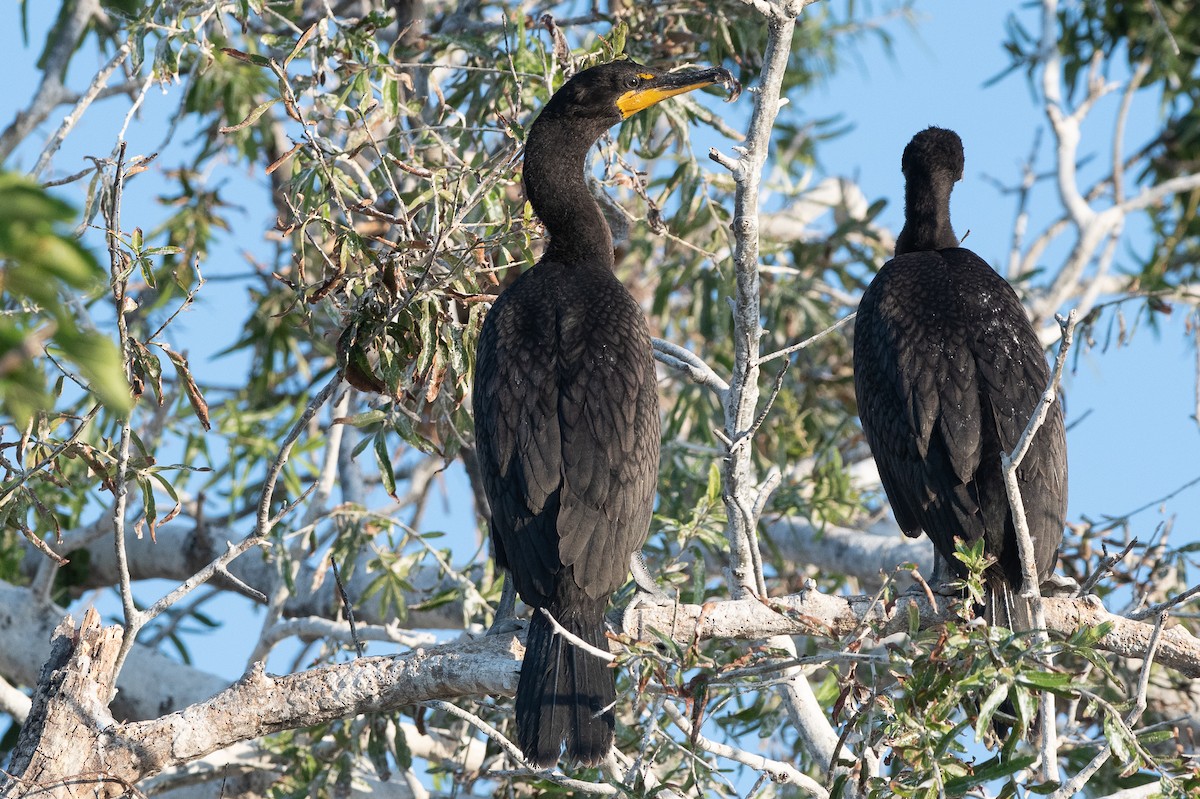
x: 1138, y: 441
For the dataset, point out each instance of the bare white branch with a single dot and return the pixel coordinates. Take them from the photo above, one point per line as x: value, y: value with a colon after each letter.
x: 1030, y: 579
x: 1074, y: 785
x: 778, y: 770
x: 808, y: 341
x: 576, y: 640
x: 592, y: 788
x: 686, y: 361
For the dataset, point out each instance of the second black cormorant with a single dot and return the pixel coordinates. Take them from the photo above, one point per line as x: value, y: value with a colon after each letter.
x: 947, y: 373
x: 566, y: 418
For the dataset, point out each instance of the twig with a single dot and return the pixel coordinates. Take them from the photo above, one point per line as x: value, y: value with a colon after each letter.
x: 693, y: 365
x: 778, y: 770
x: 1048, y: 396
x: 1076, y: 783
x: 201, y: 577
x: 120, y: 281
x: 608, y: 657
x: 311, y: 627
x: 1162, y: 21
x: 1118, y: 144
x: 1162, y: 607
x: 1118, y: 520
x: 1031, y: 588
x: 808, y: 341
x: 511, y: 749
x: 70, y: 120
x: 265, y: 523
x: 341, y: 590
x: 59, y: 50
x: 329, y: 469
x: 1105, y: 566
x: 1029, y: 178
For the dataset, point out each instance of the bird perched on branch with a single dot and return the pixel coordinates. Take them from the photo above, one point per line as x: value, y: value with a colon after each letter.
x: 948, y: 372
x: 566, y: 419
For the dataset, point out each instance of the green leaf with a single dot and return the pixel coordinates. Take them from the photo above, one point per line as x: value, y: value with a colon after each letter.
x: 712, y: 491
x: 366, y: 419
x: 1047, y: 680
x: 385, y: 465
x: 988, y: 709
x: 1088, y: 636
x: 989, y: 771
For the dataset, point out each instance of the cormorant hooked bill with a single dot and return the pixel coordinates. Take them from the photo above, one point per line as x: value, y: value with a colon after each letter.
x: 566, y: 418
x: 947, y: 373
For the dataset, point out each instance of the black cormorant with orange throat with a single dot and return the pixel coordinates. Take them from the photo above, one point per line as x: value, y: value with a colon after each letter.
x: 567, y: 418
x: 947, y: 373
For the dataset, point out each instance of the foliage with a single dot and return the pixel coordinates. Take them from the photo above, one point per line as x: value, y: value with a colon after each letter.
x: 40, y: 267
x: 387, y: 152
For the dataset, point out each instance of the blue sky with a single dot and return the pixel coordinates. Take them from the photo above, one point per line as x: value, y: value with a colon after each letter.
x: 1138, y: 440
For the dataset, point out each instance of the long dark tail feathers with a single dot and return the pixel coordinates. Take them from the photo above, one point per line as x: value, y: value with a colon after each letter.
x: 565, y: 694
x: 1004, y: 607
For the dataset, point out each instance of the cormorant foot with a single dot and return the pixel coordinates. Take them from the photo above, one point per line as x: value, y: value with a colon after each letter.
x: 1059, y: 585
x: 648, y: 592
x: 505, y: 626
x: 939, y: 588
x: 506, y: 620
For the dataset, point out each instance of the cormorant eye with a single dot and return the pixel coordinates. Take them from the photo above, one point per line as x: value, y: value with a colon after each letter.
x: 632, y: 82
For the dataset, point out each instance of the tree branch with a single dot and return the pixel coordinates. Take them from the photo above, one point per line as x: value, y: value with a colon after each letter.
x: 51, y: 92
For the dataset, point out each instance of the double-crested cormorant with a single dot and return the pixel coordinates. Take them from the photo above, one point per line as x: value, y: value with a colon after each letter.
x: 566, y: 417
x: 947, y: 373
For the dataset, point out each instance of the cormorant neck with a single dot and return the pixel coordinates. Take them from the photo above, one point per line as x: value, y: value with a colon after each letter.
x: 555, y: 158
x: 926, y: 215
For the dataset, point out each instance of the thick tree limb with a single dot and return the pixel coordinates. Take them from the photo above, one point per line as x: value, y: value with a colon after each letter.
x: 815, y: 614
x: 842, y: 550
x: 72, y: 735
x: 150, y: 685
x: 75, y: 679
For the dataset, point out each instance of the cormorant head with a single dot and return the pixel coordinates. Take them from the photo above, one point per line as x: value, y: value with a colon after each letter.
x: 934, y: 153
x: 611, y: 92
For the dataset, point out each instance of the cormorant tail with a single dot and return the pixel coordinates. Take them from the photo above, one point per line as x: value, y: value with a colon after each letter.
x: 1004, y: 607
x: 565, y: 694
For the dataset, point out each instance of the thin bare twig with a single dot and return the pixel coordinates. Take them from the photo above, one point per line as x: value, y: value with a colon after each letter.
x: 778, y: 770
x: 608, y: 657
x: 1104, y: 568
x: 598, y: 789
x: 1030, y: 590
x: 808, y: 341
x: 120, y: 281
x: 265, y: 523
x: 51, y: 92
x: 1162, y: 607
x: 693, y: 365
x: 1074, y: 785
x: 70, y: 120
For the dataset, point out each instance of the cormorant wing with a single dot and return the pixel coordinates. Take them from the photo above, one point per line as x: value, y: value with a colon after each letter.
x: 572, y: 415
x: 608, y: 416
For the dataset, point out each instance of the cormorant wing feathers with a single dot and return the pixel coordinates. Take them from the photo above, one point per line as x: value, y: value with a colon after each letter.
x: 573, y: 415
x: 951, y: 373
